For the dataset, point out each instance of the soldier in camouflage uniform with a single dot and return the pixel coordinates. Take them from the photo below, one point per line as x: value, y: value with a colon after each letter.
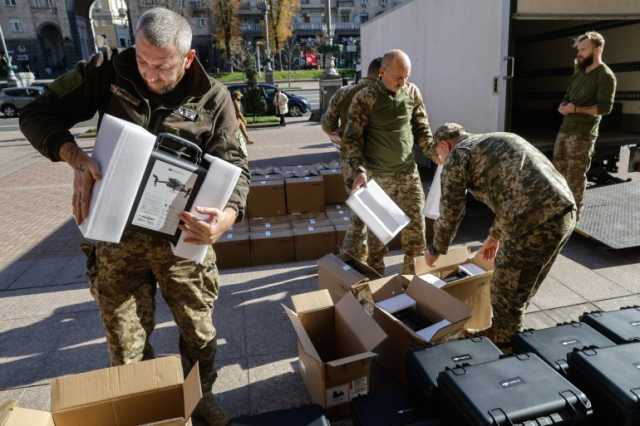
x: 534, y: 209
x: 355, y: 241
x: 161, y: 86
x: 386, y: 118
x: 590, y: 96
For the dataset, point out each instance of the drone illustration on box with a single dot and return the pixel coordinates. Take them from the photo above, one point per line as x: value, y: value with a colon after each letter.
x: 174, y: 184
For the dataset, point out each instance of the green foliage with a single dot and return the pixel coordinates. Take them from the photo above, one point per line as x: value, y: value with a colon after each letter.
x: 254, y: 100
x: 250, y: 72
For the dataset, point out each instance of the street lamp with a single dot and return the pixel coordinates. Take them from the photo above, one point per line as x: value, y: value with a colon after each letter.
x: 11, y: 77
x: 268, y: 72
x: 330, y: 70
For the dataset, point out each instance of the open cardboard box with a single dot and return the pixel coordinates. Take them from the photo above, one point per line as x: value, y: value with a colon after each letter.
x: 336, y: 344
x: 439, y: 309
x: 152, y: 392
x: 342, y: 274
x: 474, y: 290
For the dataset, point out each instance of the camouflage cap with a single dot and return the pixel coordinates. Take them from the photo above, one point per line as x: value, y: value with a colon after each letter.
x: 449, y: 131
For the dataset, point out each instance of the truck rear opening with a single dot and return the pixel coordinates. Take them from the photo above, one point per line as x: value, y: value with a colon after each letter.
x: 543, y: 64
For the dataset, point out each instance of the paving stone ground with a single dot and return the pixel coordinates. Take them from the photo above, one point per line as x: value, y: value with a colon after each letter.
x: 50, y: 326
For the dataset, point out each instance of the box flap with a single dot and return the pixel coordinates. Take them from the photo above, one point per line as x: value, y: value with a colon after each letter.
x: 386, y: 288
x: 351, y: 359
x: 12, y: 415
x: 335, y: 266
x: 456, y: 255
x: 311, y: 301
x: 303, y: 337
x: 362, y: 327
x: 192, y: 391
x: 437, y: 304
x: 396, y: 303
x: 72, y: 391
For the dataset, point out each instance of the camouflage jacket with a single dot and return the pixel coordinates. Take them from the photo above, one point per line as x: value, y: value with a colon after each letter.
x: 109, y: 83
x: 509, y: 175
x: 338, y: 109
x: 386, y: 143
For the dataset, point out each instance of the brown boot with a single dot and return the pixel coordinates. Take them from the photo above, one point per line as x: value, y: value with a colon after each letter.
x: 210, y: 412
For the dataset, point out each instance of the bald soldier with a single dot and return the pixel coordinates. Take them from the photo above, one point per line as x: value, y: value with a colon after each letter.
x: 390, y: 115
x: 534, y: 209
x: 334, y: 121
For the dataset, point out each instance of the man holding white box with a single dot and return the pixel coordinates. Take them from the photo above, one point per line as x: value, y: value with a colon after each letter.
x: 386, y: 118
x: 535, y: 214
x: 161, y: 86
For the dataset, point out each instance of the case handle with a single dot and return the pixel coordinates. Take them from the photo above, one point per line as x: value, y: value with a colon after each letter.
x: 163, y: 137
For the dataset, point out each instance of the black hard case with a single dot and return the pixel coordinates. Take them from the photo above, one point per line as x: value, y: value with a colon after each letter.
x: 555, y: 343
x: 621, y: 326
x: 389, y: 408
x: 306, y: 415
x: 424, y: 365
x: 518, y: 390
x: 611, y: 379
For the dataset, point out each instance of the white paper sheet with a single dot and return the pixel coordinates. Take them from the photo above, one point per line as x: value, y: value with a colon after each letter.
x: 378, y: 211
x: 428, y: 332
x: 432, y: 203
x: 396, y: 303
x: 433, y: 280
x: 472, y: 269
x: 122, y: 150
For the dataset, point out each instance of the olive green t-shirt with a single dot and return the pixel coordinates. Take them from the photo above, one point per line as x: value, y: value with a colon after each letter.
x: 598, y: 88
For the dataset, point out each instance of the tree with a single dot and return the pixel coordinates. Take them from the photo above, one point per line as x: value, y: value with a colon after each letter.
x: 227, y: 24
x: 254, y: 100
x: 281, y: 13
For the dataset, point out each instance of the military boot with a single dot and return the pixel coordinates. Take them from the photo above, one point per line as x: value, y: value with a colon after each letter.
x: 209, y: 412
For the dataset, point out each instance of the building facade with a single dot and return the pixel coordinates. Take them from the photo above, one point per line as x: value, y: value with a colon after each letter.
x: 111, y: 23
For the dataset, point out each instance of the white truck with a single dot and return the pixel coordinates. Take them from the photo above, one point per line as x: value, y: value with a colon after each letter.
x: 503, y: 65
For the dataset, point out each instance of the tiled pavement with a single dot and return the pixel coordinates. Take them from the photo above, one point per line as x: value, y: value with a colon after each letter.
x: 49, y: 325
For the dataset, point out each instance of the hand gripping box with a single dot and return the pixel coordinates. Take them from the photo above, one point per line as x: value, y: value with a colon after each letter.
x: 152, y: 392
x: 336, y: 344
x: 466, y: 277
x: 342, y: 274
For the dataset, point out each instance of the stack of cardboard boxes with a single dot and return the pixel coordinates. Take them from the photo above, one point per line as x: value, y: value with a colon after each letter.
x: 339, y: 338
x: 293, y: 214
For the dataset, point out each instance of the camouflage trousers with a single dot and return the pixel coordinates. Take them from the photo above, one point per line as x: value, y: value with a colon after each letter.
x: 405, y: 189
x: 521, y: 266
x: 572, y: 157
x: 123, y: 281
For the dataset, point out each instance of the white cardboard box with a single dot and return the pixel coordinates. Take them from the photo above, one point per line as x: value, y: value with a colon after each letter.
x: 122, y: 150
x: 378, y: 211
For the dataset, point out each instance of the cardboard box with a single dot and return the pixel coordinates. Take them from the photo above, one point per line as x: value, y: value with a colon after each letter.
x: 444, y: 314
x: 474, y: 289
x: 337, y: 209
x: 312, y: 242
x: 261, y: 224
x: 266, y: 198
x: 341, y: 232
x: 381, y: 214
x: 343, y: 274
x: 152, y: 392
x: 12, y: 415
x: 233, y: 250
x: 336, y: 343
x: 275, y: 246
x: 334, y: 186
x: 309, y: 219
x: 305, y: 194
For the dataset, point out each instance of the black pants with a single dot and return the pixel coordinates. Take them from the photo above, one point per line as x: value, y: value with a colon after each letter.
x: 282, y: 122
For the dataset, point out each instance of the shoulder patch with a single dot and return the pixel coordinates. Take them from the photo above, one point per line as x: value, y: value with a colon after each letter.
x: 66, y: 83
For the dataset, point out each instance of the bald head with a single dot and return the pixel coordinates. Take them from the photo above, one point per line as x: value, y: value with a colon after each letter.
x: 395, y: 70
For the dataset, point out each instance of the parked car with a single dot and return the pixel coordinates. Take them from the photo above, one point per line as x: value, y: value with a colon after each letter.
x: 298, y: 105
x: 13, y: 99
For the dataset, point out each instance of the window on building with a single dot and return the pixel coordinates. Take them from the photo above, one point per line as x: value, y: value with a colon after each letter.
x: 10, y: 3
x: 122, y: 42
x: 383, y: 3
x: 15, y: 25
x: 345, y: 16
x: 304, y: 1
x: 364, y: 3
x: 364, y: 17
x: 306, y: 19
x: 202, y: 22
